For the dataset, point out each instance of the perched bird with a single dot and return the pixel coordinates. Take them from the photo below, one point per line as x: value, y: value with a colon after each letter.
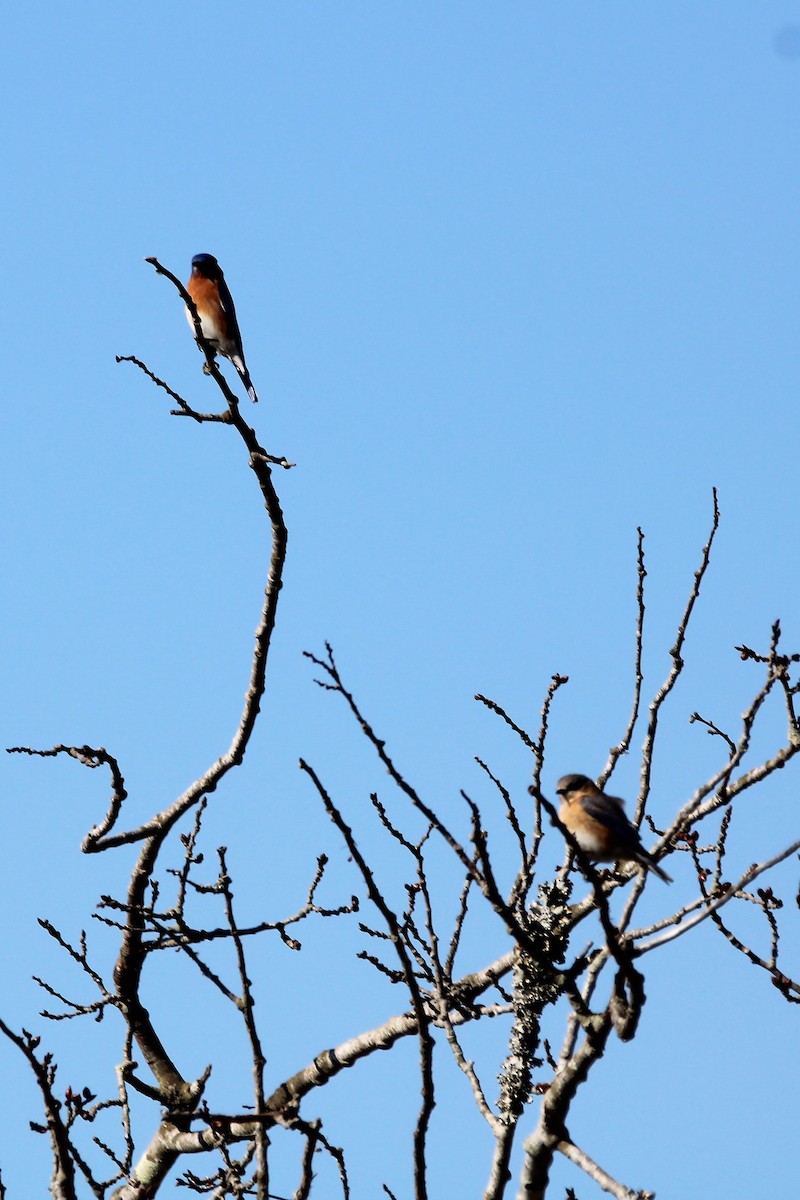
x: 599, y: 824
x: 214, y: 305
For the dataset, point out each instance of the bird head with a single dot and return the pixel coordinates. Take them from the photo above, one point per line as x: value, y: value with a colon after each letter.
x: 568, y: 784
x: 206, y: 265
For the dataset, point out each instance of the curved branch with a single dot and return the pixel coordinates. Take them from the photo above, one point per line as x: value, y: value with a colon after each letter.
x: 99, y: 839
x: 676, y: 668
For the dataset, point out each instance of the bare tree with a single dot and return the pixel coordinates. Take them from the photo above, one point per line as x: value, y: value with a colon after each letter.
x: 544, y: 965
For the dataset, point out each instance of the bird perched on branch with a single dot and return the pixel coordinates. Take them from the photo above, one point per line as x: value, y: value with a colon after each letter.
x: 599, y: 824
x: 214, y: 305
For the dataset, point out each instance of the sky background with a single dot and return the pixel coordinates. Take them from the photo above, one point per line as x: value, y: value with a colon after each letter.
x: 513, y: 279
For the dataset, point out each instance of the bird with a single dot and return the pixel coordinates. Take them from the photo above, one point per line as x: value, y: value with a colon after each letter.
x: 218, y: 323
x: 599, y: 824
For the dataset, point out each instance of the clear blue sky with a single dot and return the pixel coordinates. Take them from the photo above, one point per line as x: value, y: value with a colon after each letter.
x: 513, y: 279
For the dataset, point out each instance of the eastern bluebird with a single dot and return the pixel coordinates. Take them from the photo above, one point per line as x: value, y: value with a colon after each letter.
x: 599, y: 824
x: 214, y: 305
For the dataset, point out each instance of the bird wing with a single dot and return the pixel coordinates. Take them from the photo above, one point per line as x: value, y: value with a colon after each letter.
x: 608, y: 811
x: 226, y: 300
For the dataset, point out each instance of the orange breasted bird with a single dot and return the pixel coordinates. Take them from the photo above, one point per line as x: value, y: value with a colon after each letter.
x: 599, y: 824
x: 214, y: 305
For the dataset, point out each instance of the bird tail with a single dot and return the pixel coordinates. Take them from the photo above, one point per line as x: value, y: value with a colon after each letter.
x: 248, y: 383
x: 244, y: 375
x: 648, y: 861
